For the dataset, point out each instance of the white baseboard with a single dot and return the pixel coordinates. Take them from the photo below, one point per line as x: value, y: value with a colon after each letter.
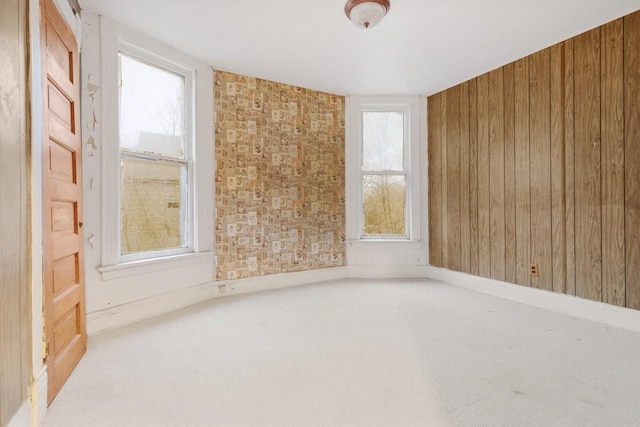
x: 22, y: 418
x: 125, y: 314
x: 388, y: 272
x: 282, y: 280
x: 573, y: 306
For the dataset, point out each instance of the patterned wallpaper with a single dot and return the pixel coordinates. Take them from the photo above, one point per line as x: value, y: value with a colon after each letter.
x: 280, y: 184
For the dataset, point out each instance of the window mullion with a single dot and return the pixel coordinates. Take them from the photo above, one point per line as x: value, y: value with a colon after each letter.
x: 366, y: 172
x: 154, y: 157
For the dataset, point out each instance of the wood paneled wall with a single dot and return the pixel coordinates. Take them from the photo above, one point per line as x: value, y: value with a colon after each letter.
x: 538, y: 162
x: 14, y: 285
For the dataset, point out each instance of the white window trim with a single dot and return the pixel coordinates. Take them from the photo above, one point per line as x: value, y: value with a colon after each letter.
x: 116, y: 38
x: 416, y: 109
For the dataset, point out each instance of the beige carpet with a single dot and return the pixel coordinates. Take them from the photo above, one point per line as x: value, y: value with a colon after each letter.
x: 357, y: 353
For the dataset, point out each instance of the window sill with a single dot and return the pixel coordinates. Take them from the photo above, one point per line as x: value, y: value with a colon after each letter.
x: 125, y: 269
x: 389, y: 243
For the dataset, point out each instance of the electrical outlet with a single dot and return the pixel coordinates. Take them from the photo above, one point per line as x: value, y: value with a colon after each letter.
x: 533, y: 270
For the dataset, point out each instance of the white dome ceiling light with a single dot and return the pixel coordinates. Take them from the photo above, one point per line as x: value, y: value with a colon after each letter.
x: 366, y: 13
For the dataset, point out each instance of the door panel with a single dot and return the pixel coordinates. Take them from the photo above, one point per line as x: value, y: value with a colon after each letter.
x: 60, y: 106
x: 65, y: 273
x: 63, y: 270
x: 66, y: 330
x: 61, y: 162
x: 63, y: 216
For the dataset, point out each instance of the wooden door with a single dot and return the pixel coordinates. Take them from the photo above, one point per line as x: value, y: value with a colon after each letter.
x: 62, y: 178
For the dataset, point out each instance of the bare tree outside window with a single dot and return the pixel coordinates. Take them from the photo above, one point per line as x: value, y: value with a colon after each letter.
x: 384, y: 187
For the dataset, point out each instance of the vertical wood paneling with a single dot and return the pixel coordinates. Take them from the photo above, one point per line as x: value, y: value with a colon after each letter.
x: 453, y: 178
x: 435, y: 180
x: 612, y: 157
x: 443, y: 180
x: 484, y: 228
x: 587, y: 161
x: 465, y: 222
x: 558, y: 234
x: 632, y: 156
x: 539, y: 163
x: 14, y: 215
x: 496, y: 174
x: 540, y: 172
x: 569, y: 173
x: 473, y: 176
x: 509, y: 173
x: 523, y: 187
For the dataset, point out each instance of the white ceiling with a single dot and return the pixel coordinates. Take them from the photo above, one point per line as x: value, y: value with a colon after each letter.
x: 420, y: 47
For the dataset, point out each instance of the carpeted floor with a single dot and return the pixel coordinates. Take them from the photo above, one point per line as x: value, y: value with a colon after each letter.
x: 357, y: 353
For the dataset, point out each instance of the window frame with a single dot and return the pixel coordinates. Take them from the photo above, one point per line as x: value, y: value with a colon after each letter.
x: 405, y: 172
x: 411, y: 107
x: 135, y: 53
x: 199, y: 146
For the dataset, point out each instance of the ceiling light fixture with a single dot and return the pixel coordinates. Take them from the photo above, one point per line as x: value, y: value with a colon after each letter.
x: 366, y: 13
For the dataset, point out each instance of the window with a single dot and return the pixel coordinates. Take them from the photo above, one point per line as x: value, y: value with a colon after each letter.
x: 384, y: 169
x: 157, y: 160
x: 384, y: 176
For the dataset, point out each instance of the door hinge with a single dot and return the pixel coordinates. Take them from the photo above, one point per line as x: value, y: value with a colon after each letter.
x: 45, y: 350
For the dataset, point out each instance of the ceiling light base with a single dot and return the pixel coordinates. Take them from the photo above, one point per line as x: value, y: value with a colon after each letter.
x: 366, y: 13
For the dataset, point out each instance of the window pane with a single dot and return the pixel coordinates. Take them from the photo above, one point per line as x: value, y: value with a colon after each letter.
x: 153, y: 210
x: 151, y: 109
x: 384, y: 205
x: 382, y: 141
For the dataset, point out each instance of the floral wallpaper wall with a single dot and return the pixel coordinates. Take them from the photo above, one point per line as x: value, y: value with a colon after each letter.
x: 280, y: 183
